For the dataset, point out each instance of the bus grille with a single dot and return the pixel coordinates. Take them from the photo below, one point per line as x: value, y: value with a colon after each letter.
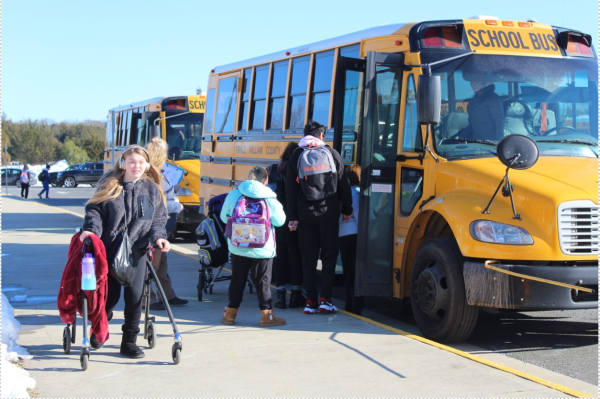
x: 578, y: 228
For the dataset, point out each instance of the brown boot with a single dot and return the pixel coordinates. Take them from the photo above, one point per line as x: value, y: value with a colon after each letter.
x: 269, y: 320
x: 229, y: 316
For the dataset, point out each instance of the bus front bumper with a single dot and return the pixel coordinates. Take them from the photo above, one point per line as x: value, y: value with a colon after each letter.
x: 490, y: 288
x: 189, y: 218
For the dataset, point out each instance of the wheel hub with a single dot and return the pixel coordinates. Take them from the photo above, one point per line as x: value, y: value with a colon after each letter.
x: 432, y: 292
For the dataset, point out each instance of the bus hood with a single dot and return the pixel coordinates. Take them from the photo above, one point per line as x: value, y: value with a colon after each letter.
x: 557, y: 179
x: 464, y: 190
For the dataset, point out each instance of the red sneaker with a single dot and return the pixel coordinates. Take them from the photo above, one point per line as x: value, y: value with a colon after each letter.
x: 311, y: 307
x: 327, y: 306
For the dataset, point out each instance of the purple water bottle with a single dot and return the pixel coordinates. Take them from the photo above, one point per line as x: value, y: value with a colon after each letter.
x: 88, y: 272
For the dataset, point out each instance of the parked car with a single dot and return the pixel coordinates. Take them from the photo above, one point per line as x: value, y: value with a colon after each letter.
x: 13, y: 177
x: 88, y: 173
x: 54, y: 175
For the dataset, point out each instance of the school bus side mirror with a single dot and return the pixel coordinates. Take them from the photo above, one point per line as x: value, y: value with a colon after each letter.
x: 155, y: 131
x: 429, y: 99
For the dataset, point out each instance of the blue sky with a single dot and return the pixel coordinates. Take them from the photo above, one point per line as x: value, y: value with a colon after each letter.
x: 74, y: 60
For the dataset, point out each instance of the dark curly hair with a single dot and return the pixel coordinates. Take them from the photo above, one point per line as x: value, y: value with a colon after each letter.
x: 287, y: 154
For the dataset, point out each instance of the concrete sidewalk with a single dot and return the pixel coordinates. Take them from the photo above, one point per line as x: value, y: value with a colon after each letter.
x: 312, y: 356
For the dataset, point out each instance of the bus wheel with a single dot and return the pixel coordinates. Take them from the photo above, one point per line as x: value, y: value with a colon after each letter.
x: 438, y: 298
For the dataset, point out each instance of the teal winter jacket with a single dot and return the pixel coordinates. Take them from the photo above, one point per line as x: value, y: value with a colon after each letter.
x: 254, y: 189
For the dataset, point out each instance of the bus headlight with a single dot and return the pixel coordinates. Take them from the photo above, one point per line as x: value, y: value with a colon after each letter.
x: 499, y: 233
x: 183, y: 192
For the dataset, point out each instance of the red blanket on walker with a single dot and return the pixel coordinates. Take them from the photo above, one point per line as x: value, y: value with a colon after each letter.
x: 70, y: 298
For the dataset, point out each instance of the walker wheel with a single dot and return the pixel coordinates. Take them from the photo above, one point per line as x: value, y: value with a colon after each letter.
x: 176, y: 353
x: 67, y: 340
x: 151, y: 335
x: 83, y: 359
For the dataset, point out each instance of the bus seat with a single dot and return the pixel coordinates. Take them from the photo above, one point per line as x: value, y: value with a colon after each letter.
x: 518, y: 118
x: 198, y: 144
x: 455, y: 122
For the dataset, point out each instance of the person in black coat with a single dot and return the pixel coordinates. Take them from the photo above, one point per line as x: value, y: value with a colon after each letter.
x: 129, y: 196
x: 317, y: 221
x: 288, y: 262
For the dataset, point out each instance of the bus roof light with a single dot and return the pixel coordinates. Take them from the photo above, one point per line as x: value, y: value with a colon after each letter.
x: 432, y: 38
x: 451, y: 37
x: 398, y: 43
x: 508, y: 23
x: 575, y: 43
x: 524, y: 25
x: 287, y: 53
x: 491, y: 22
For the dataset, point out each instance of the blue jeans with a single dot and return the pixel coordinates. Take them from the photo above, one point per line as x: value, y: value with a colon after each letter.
x: 46, y: 184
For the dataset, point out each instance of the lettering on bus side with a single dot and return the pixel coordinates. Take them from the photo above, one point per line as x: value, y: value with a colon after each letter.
x: 240, y: 149
x: 197, y: 105
x: 499, y: 39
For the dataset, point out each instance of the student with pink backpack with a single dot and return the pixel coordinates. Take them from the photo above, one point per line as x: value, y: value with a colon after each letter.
x: 251, y: 213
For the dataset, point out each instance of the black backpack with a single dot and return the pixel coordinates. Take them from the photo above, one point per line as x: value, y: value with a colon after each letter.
x: 213, y: 250
x: 42, y: 176
x: 317, y: 173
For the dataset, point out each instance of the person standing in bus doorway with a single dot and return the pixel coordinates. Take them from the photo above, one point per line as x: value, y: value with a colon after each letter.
x: 486, y: 113
x: 251, y: 252
x: 45, y: 179
x: 288, y: 261
x: 157, y: 149
x: 348, y: 236
x: 316, y: 191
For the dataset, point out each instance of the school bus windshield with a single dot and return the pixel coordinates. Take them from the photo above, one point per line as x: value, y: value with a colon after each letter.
x: 184, y: 135
x: 487, y: 97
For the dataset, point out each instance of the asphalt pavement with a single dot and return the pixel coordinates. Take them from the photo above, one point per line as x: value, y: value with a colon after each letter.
x: 336, y: 355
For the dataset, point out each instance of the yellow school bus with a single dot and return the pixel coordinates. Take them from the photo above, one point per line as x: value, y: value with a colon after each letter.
x: 435, y: 230
x: 178, y: 120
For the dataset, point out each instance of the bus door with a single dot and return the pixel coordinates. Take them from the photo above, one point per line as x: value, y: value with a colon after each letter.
x: 350, y: 87
x: 375, y: 246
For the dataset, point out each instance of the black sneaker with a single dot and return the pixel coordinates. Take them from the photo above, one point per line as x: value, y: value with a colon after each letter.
x: 280, y: 301
x: 94, y: 342
x: 177, y: 302
x: 131, y: 350
x: 157, y: 306
x: 297, y: 299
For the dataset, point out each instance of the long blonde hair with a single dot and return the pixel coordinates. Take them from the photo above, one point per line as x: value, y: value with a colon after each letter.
x: 157, y: 149
x: 111, y: 185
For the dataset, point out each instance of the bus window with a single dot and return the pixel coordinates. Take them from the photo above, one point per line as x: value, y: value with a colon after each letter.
x: 208, y: 115
x: 319, y: 104
x: 109, y: 132
x: 128, y: 127
x: 412, y: 139
x: 226, y: 103
x: 184, y: 135
x: 245, y: 97
x: 277, y: 97
x: 259, y: 97
x: 352, y: 51
x: 297, y: 103
x: 136, y: 127
x: 387, y: 110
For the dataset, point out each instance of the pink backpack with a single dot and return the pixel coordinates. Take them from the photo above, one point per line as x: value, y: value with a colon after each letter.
x: 250, y: 224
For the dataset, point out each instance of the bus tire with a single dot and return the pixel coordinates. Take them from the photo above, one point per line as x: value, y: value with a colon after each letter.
x: 438, y: 298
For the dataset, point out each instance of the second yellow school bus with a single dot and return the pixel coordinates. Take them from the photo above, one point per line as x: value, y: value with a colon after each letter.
x: 178, y: 120
x: 429, y: 232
